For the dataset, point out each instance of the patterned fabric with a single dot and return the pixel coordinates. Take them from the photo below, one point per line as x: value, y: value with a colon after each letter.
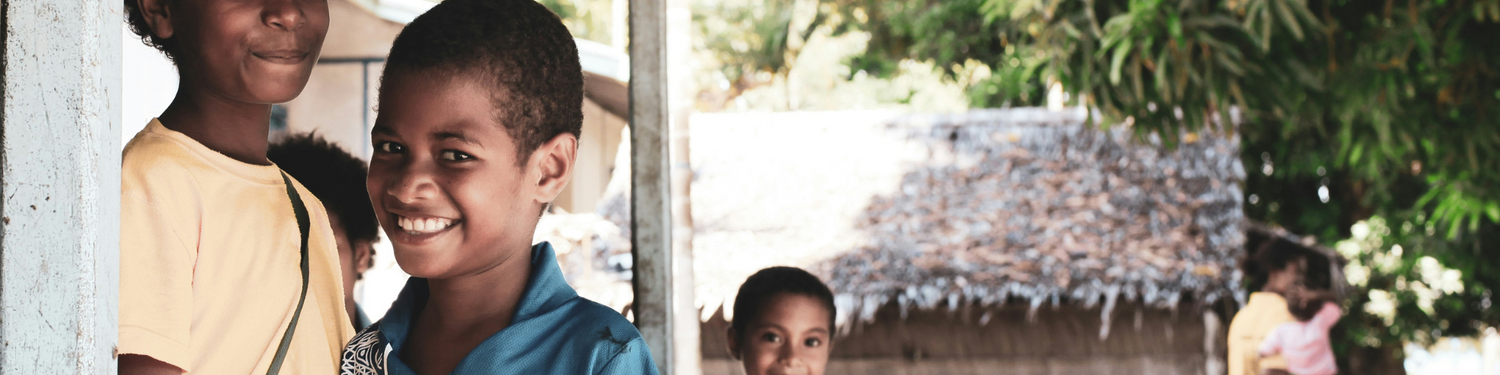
x: 365, y: 354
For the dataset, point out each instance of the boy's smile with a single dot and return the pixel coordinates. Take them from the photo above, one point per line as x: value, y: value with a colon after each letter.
x: 444, y: 178
x: 282, y: 56
x: 420, y: 226
x: 416, y: 226
x: 259, y: 51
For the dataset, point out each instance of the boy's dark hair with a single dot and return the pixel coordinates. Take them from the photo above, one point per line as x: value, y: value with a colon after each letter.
x: 136, y: 19
x: 332, y: 175
x: 520, y: 51
x: 758, y: 289
x: 1304, y: 304
x: 1272, y: 254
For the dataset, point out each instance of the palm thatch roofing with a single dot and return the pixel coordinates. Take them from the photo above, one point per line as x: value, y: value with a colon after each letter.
x: 986, y: 207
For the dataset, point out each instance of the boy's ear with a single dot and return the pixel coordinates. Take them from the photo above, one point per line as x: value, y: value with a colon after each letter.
x: 734, y: 345
x: 362, y: 261
x: 554, y: 160
x: 158, y: 15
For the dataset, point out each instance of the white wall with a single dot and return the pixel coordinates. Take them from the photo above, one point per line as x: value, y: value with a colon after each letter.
x: 60, y: 176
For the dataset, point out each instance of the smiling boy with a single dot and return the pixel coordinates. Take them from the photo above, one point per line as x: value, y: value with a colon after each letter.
x: 783, y: 323
x: 478, y: 125
x: 227, y: 266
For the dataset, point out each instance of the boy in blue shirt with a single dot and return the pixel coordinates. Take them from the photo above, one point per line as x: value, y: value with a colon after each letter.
x: 479, y: 117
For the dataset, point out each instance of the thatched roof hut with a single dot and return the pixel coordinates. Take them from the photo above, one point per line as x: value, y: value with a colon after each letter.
x: 1034, y: 207
x: 986, y: 207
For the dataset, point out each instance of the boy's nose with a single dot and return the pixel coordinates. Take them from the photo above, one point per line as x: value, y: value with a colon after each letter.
x: 413, y: 183
x: 283, y: 14
x: 790, y: 360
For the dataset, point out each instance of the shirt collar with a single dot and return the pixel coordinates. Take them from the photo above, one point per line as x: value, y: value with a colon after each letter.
x: 1267, y: 298
x: 546, y: 290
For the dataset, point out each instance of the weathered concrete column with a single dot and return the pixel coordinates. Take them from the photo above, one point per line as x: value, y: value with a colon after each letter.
x: 60, y: 183
x: 651, y: 209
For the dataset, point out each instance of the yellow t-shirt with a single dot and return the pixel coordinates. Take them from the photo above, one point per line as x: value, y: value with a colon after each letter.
x: 209, y: 263
x: 1250, y: 326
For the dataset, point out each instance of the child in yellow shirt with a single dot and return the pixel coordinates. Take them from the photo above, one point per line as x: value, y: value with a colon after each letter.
x: 227, y: 266
x: 1278, y: 266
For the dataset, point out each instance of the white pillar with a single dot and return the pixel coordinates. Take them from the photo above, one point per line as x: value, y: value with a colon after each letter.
x: 651, y: 210
x: 60, y: 183
x: 1213, y: 354
x: 687, y: 352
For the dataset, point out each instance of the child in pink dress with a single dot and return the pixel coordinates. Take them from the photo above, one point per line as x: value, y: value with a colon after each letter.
x: 1304, y: 343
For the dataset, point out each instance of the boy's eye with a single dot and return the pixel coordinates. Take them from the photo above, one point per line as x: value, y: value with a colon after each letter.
x: 771, y: 338
x: 451, y: 155
x: 389, y: 147
x: 813, y: 343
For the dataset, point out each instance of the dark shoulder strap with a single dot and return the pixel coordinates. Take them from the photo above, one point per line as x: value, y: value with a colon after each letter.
x: 303, y: 222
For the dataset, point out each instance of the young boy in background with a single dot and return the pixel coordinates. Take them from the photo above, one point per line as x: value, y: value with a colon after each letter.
x: 1304, y: 343
x: 480, y: 113
x: 226, y: 265
x: 337, y: 179
x: 783, y: 323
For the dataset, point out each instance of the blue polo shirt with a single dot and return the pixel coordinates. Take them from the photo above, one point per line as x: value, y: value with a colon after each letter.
x: 554, y: 331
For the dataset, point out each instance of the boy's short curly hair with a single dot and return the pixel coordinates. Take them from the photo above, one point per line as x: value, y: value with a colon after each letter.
x: 332, y: 175
x: 759, y: 288
x: 521, y: 50
x: 136, y: 20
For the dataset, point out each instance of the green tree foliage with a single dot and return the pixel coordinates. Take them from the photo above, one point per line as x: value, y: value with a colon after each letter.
x: 1415, y: 285
x: 751, y: 37
x: 586, y: 19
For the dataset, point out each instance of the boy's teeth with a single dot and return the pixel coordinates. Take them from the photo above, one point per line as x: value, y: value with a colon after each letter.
x: 423, y: 225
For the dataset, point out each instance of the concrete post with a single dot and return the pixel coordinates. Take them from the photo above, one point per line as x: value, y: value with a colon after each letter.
x: 687, y: 350
x: 651, y: 210
x: 60, y: 183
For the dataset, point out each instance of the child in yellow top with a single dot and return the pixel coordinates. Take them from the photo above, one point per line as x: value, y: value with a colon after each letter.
x: 1279, y: 265
x: 210, y: 247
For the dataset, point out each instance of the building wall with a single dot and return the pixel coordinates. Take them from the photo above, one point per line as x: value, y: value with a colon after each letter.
x: 1063, y: 340
x: 60, y: 176
x: 335, y: 103
x: 355, y: 32
x: 333, y: 106
x: 596, y: 159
